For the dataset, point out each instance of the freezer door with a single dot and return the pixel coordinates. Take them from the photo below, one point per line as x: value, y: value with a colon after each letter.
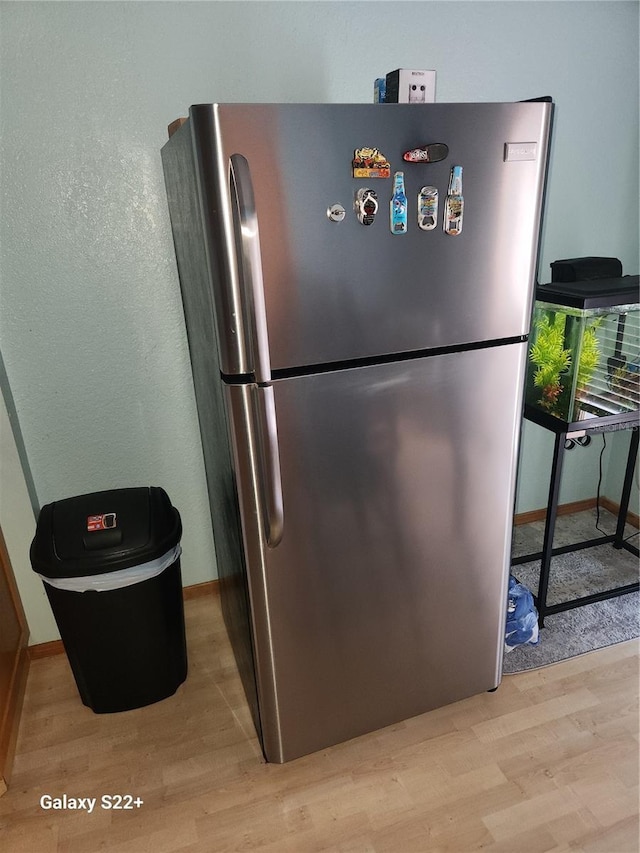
x: 385, y: 595
x: 311, y: 290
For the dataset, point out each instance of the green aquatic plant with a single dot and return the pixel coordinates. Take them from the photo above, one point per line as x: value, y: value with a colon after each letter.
x: 589, y: 356
x: 551, y: 359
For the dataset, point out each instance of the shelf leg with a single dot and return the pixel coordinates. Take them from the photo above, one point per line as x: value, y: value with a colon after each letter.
x: 626, y: 489
x: 550, y: 524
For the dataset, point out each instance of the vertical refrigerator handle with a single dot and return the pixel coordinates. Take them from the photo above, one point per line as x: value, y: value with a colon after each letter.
x: 250, y: 264
x: 267, y: 463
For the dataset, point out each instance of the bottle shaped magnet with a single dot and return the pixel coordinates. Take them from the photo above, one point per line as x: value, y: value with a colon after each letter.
x: 454, y: 206
x: 398, y: 207
x: 427, y: 208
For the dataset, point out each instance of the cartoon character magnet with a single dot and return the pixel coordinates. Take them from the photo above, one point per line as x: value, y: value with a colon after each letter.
x: 370, y: 163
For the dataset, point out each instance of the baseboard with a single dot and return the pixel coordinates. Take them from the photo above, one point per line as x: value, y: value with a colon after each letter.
x: 612, y: 506
x: 576, y: 506
x: 45, y: 650
x: 56, y: 647
x: 563, y: 509
x: 199, y: 589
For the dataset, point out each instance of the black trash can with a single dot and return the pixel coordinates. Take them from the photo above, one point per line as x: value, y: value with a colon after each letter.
x: 110, y: 562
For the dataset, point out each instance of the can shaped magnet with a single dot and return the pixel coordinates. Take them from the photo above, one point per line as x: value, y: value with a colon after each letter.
x: 427, y: 208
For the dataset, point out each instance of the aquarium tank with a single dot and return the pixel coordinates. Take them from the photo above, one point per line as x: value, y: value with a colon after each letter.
x: 584, y: 350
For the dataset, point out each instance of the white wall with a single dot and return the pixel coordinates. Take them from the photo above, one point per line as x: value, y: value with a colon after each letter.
x: 91, y: 329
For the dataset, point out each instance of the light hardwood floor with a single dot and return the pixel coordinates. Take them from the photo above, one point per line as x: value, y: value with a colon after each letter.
x: 547, y: 763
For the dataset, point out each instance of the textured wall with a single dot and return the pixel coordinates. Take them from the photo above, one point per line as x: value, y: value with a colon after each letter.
x: 92, y: 332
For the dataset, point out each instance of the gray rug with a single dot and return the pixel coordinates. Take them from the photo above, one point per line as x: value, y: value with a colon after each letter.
x: 578, y: 573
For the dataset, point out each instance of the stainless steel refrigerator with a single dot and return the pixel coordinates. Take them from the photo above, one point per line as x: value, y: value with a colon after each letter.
x: 359, y: 393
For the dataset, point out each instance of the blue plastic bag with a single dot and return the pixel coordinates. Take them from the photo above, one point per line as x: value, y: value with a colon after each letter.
x: 522, y: 617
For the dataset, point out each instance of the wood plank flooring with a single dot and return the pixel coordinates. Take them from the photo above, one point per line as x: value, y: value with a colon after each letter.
x: 547, y: 763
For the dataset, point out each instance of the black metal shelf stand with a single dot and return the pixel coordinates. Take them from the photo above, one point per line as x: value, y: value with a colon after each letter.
x: 564, y: 431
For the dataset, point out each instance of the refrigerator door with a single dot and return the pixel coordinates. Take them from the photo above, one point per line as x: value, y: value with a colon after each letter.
x: 306, y: 287
x: 385, y: 595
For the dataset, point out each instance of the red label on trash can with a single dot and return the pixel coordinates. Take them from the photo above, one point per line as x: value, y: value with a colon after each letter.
x: 107, y: 521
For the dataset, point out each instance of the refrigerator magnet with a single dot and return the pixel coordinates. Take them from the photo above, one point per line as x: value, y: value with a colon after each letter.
x: 398, y: 205
x: 370, y: 163
x: 366, y: 205
x: 454, y: 204
x: 454, y: 207
x: 427, y: 208
x: 336, y: 212
x: 432, y: 153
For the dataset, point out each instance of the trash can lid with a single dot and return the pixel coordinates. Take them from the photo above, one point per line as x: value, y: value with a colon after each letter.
x: 104, y: 532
